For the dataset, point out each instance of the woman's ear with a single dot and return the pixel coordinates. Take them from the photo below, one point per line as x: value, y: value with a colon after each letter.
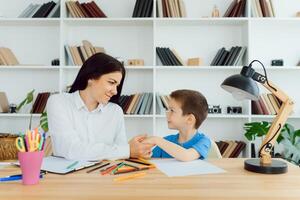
x: 90, y: 81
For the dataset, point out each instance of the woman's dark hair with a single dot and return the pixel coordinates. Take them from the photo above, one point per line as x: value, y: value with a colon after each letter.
x: 96, y: 66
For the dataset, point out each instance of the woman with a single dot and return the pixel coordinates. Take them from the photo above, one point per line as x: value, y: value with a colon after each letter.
x: 87, y: 123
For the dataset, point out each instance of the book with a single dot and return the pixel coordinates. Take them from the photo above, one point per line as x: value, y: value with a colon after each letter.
x: 59, y: 165
x: 70, y: 10
x: 97, y: 9
x: 149, y: 9
x: 26, y: 10
x: 4, y: 105
x: 213, y: 62
x: 69, y: 56
x: 159, y: 8
x: 234, y: 55
x: 223, y: 57
x: 230, y: 8
x: 226, y: 62
x: 136, y: 8
x: 181, y: 62
x: 239, y: 59
x: 7, y: 57
x: 144, y: 104
x: 55, y: 12
x: 139, y: 105
x: 218, y: 57
x: 149, y: 109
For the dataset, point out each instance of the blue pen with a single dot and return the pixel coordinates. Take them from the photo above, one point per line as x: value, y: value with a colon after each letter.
x: 16, y: 177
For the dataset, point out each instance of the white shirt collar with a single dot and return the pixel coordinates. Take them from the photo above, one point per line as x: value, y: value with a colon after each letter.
x: 81, y: 105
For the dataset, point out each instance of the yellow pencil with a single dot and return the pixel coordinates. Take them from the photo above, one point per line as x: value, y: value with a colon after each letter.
x: 145, y: 161
x: 131, y: 176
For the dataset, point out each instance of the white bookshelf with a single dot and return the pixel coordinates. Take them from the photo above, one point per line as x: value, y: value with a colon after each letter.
x: 36, y: 42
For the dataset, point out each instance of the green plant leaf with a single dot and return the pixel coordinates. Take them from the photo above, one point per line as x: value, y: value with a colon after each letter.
x: 44, y: 122
x: 256, y: 129
x: 27, y: 100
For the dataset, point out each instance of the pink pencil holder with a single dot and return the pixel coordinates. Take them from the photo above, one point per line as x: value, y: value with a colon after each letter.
x: 30, y: 163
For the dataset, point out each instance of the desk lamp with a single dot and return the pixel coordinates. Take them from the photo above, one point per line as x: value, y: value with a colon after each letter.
x: 243, y: 86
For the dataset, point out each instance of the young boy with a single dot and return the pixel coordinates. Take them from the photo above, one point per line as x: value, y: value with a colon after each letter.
x: 187, y: 110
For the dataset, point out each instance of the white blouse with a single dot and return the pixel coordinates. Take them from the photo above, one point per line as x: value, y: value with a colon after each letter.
x: 79, y: 134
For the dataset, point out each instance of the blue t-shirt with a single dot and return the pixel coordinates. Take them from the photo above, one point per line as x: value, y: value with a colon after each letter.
x: 199, y: 142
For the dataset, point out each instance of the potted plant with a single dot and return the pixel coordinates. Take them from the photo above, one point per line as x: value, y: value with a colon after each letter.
x: 289, y: 138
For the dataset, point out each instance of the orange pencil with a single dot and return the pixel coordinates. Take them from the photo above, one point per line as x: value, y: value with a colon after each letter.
x: 131, y: 176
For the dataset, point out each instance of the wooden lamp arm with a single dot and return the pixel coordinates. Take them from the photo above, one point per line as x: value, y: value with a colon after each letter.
x: 277, y: 124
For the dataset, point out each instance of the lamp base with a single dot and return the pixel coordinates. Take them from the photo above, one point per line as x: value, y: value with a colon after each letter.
x: 276, y: 167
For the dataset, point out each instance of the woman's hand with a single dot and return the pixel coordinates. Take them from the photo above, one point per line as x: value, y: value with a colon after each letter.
x: 138, y: 148
x: 151, y: 140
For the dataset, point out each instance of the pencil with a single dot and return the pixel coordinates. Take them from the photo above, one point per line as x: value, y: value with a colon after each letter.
x: 131, y: 166
x: 109, y: 169
x: 131, y: 176
x: 138, y: 162
x: 99, y: 167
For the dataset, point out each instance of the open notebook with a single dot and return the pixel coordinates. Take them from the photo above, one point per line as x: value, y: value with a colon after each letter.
x: 60, y: 165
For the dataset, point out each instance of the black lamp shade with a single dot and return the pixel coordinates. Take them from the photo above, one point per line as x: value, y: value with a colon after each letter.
x: 241, y: 87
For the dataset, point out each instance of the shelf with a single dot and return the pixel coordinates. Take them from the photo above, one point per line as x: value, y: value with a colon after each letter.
x: 19, y: 115
x: 126, y: 67
x: 37, y: 67
x: 41, y: 67
x: 30, y: 21
x: 108, y: 21
x: 273, y: 116
x: 213, y: 116
x: 276, y: 19
x: 198, y: 67
x: 201, y: 21
x: 138, y: 116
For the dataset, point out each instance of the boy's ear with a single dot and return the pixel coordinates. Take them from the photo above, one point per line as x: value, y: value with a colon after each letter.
x: 191, y: 119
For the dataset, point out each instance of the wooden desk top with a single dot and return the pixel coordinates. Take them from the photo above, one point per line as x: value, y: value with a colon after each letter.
x: 237, y: 183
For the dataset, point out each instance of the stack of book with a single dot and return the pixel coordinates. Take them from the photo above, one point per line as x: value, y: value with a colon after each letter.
x: 231, y: 57
x: 262, y: 8
x: 168, y: 57
x: 162, y: 103
x: 236, y: 9
x: 77, y: 55
x: 143, y: 8
x: 82, y: 10
x: 137, y: 104
x: 267, y: 104
x: 231, y: 149
x: 50, y: 9
x: 7, y: 57
x: 170, y: 8
x: 40, y: 102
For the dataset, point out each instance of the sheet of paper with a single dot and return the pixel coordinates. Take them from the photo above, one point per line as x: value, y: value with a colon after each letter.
x: 60, y: 165
x: 172, y: 167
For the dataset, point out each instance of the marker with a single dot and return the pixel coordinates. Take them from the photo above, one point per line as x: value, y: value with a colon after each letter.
x: 72, y: 165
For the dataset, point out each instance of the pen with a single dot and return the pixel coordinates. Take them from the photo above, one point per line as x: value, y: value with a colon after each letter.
x: 15, y: 177
x: 131, y: 176
x: 101, y: 166
x: 72, y: 165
